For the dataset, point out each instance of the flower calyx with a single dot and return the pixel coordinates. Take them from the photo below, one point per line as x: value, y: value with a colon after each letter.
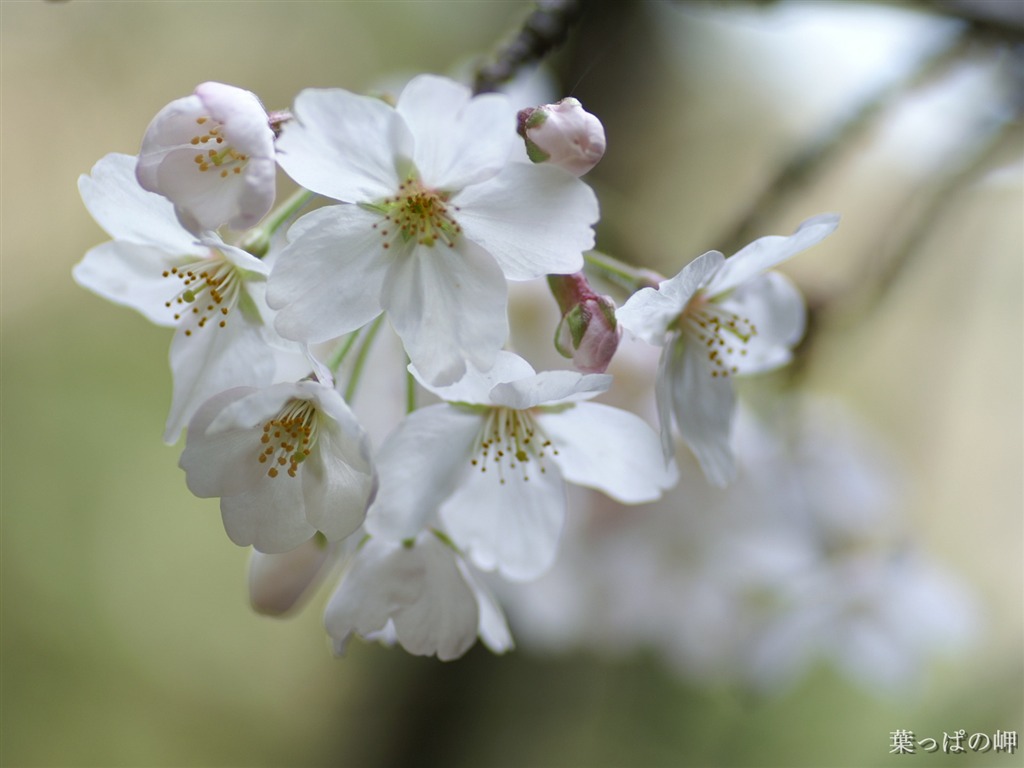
x: 588, y: 332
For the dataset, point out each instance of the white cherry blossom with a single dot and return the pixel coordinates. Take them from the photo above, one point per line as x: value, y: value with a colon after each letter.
x: 212, y: 155
x: 716, y: 319
x: 286, y: 461
x: 493, y: 461
x: 212, y: 293
x: 441, y: 219
x: 418, y: 593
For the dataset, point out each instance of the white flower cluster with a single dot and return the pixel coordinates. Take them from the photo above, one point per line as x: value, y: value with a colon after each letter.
x: 427, y: 211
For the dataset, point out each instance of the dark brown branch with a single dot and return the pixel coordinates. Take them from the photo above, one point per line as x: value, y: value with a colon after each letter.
x: 544, y: 30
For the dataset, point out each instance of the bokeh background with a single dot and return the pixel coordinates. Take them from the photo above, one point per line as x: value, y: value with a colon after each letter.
x: 127, y: 635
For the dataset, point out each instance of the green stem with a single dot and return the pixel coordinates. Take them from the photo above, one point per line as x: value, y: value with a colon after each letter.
x: 257, y: 242
x: 622, y: 274
x: 410, y: 391
x: 444, y: 539
x: 339, y: 356
x: 364, y: 350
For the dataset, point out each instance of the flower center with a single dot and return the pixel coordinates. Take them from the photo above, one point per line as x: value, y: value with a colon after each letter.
x: 511, y: 440
x: 724, y: 333
x: 289, y: 437
x: 419, y: 214
x: 217, y: 154
x: 209, y: 289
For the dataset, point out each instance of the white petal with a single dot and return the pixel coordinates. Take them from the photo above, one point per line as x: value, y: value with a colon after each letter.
x: 513, y: 526
x: 243, y: 260
x: 206, y: 201
x: 663, y: 397
x: 171, y: 128
x: 493, y: 629
x: 608, y: 449
x: 448, y: 307
x: 418, y: 588
x: 419, y: 466
x: 257, y: 407
x: 767, y: 252
x: 132, y: 275
x: 128, y: 212
x: 243, y: 116
x: 258, y: 193
x: 221, y: 462
x: 344, y: 145
x: 371, y: 590
x: 703, y: 406
x: 337, y: 479
x: 211, y: 360
x: 533, y: 220
x: 459, y: 140
x: 327, y: 282
x: 550, y: 388
x: 475, y: 387
x: 269, y: 516
x: 649, y: 312
x: 335, y: 493
x: 445, y: 619
x: 776, y: 308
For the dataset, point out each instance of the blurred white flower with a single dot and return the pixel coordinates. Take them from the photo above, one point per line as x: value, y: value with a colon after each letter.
x: 717, y: 318
x: 287, y: 461
x: 212, y: 293
x: 212, y: 155
x: 878, y: 616
x: 754, y: 583
x: 493, y: 460
x: 442, y: 219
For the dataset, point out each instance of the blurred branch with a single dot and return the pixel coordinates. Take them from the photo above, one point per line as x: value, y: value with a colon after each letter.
x: 544, y: 30
x: 984, y: 145
x: 796, y: 172
x: 992, y: 16
x: 995, y: 18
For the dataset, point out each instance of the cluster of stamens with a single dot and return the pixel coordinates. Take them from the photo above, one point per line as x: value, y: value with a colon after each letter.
x: 724, y: 333
x: 219, y: 156
x: 288, y: 438
x: 209, y: 290
x: 418, y: 214
x: 510, y: 439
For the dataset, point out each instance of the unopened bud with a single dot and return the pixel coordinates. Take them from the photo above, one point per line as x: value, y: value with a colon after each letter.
x: 563, y: 134
x: 588, y: 332
x: 278, y: 583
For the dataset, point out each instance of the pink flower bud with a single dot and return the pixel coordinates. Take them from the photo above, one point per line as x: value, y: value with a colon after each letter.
x: 588, y: 332
x: 563, y: 134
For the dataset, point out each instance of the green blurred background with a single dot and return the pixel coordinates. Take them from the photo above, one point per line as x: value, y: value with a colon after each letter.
x: 127, y: 636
